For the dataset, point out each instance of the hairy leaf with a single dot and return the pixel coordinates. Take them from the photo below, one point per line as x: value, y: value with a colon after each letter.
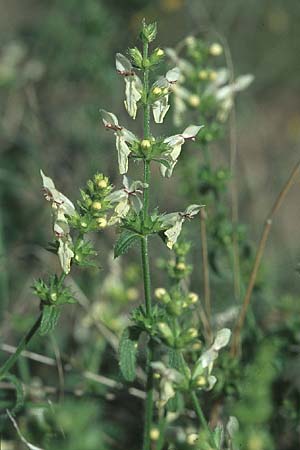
x: 128, y: 352
x: 49, y: 319
x: 126, y: 239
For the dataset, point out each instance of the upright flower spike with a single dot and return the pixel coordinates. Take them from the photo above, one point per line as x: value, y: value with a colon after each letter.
x: 176, y: 220
x: 175, y: 143
x: 127, y: 198
x: 62, y: 209
x: 133, y: 84
x: 123, y: 138
x: 160, y: 92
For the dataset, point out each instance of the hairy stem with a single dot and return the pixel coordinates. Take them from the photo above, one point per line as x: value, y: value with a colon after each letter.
x: 22, y: 345
x: 145, y: 260
x: 260, y: 251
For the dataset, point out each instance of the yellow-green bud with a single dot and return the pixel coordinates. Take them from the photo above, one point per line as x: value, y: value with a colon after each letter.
x: 154, y: 434
x: 160, y: 293
x: 200, y: 381
x: 194, y: 100
x: 53, y: 296
x: 156, y: 375
x: 132, y: 294
x: 190, y: 41
x: 77, y: 258
x: 203, y: 74
x: 197, y: 346
x: 192, y: 332
x: 96, y: 205
x: 193, y: 297
x: 181, y: 266
x: 165, y: 330
x: 145, y: 144
x: 192, y: 439
x: 159, y: 52
x: 165, y: 91
x: 101, y: 222
x: 157, y: 90
x: 83, y: 224
x: 102, y: 184
x: 213, y: 75
x: 215, y: 49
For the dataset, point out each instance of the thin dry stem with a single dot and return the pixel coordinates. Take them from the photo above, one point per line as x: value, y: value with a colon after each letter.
x: 260, y: 251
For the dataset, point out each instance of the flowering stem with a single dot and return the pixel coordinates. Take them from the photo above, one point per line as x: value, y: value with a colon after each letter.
x: 22, y: 345
x: 145, y: 261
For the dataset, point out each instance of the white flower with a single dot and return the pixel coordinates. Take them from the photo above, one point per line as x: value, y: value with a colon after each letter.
x: 206, y: 361
x: 176, y: 220
x: 62, y: 209
x: 123, y: 138
x: 169, y: 379
x: 133, y: 84
x: 163, y: 85
x: 175, y: 143
x: 127, y: 198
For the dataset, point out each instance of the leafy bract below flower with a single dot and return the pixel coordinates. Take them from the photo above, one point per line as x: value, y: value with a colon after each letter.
x: 176, y: 220
x: 62, y: 209
x: 175, y: 143
x: 169, y: 379
x: 161, y: 89
x: 205, y: 363
x: 123, y: 138
x: 133, y: 84
x: 126, y: 198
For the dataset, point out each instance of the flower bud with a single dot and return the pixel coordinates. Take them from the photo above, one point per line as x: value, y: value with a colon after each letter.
x: 160, y: 293
x: 154, y: 434
x: 165, y: 91
x: 101, y: 222
x: 181, y: 266
x: 190, y: 41
x: 102, y: 184
x: 215, y: 49
x: 145, y: 144
x: 157, y: 90
x: 200, y: 381
x: 192, y: 332
x: 194, y: 100
x: 203, y: 74
x: 159, y: 52
x: 212, y: 75
x: 83, y: 224
x: 192, y: 438
x: 192, y: 297
x: 148, y: 33
x: 165, y: 331
x: 96, y: 206
x: 53, y: 296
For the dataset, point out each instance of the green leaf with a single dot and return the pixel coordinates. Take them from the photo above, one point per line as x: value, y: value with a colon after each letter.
x: 49, y: 319
x: 128, y: 351
x: 19, y: 391
x: 126, y: 239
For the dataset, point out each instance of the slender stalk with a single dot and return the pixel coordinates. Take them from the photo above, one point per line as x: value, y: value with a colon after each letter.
x: 205, y: 267
x: 260, y: 251
x: 22, y: 345
x: 201, y: 417
x: 145, y: 260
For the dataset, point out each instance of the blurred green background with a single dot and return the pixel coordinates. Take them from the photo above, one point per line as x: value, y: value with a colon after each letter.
x: 57, y: 70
